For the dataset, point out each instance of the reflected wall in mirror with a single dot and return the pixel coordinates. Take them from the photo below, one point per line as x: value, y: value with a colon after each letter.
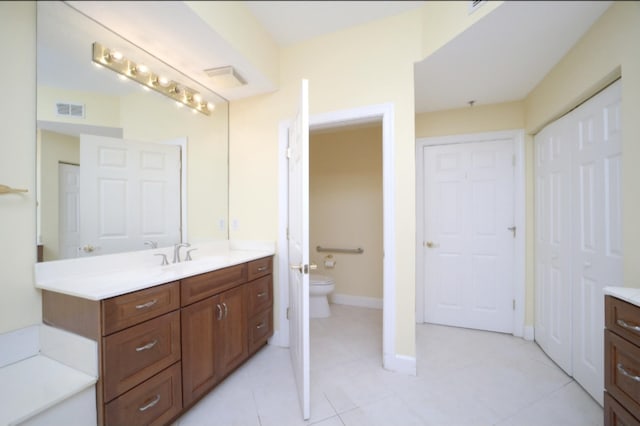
x: 74, y: 97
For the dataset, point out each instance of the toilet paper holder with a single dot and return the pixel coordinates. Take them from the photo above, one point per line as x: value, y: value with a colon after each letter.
x: 329, y: 262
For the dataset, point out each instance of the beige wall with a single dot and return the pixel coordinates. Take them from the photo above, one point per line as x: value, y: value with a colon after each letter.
x: 55, y: 148
x: 365, y: 65
x: 345, y: 207
x: 608, y: 49
x: 476, y: 119
x: 19, y: 301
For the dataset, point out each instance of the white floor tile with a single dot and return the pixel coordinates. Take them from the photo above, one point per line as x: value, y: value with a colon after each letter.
x: 464, y: 377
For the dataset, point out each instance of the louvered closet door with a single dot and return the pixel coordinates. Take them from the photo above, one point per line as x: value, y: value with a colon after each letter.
x: 578, y: 234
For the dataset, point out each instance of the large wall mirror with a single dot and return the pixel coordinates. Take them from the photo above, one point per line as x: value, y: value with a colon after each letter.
x: 77, y: 103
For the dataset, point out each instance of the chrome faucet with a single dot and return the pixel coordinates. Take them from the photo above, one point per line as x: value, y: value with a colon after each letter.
x: 153, y: 244
x: 176, y: 251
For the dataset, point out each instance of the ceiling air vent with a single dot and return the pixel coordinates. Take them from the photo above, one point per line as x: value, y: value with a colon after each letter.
x: 475, y: 5
x: 70, y: 110
x: 225, y: 77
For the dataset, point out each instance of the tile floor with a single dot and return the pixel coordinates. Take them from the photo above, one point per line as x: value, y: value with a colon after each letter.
x: 465, y: 377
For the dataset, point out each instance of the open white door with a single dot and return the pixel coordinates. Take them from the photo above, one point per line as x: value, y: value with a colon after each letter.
x: 129, y: 193
x: 298, y: 154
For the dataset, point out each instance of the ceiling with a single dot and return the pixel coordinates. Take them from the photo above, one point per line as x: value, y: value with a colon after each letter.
x: 501, y: 58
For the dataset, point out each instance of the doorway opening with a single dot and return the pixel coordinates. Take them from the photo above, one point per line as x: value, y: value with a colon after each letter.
x: 382, y: 113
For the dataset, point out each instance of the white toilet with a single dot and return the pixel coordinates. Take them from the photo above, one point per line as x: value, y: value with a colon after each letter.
x: 320, y: 286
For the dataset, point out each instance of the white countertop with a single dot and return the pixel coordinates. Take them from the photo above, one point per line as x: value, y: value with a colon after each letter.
x: 628, y: 294
x: 101, y: 277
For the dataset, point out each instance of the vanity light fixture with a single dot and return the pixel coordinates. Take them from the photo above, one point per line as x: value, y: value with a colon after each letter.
x: 141, y: 73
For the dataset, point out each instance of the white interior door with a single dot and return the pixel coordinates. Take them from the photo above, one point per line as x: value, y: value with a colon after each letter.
x: 553, y: 243
x: 597, y: 227
x: 469, y: 234
x: 298, y: 154
x: 129, y: 193
x: 68, y: 210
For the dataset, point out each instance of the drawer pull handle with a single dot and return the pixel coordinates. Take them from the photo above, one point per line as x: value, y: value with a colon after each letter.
x: 147, y: 346
x: 260, y: 325
x: 226, y: 310
x: 624, y: 372
x: 219, y: 310
x: 262, y: 294
x: 147, y: 305
x: 151, y: 404
x: 262, y: 269
x: 624, y: 324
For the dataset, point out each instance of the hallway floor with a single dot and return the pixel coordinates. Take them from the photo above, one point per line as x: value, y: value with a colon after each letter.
x: 465, y: 377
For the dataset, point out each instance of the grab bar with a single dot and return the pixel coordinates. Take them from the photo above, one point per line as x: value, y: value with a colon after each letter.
x: 341, y: 250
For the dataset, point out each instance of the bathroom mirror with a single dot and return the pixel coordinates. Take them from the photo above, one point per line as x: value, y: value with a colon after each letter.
x: 75, y: 97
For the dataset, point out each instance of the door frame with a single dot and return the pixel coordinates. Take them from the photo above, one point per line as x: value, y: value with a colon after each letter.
x: 380, y: 112
x: 519, y: 218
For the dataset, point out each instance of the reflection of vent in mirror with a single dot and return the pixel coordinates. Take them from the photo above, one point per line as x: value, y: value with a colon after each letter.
x: 70, y: 110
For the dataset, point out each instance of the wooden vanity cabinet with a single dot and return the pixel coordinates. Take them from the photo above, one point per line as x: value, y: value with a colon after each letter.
x: 163, y: 348
x: 226, y: 316
x: 213, y: 341
x: 138, y: 337
x: 622, y: 363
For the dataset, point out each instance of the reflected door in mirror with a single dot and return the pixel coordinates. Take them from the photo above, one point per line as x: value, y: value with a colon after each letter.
x: 129, y: 194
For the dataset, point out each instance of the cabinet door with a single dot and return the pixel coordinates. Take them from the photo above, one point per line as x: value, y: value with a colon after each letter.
x: 233, y: 329
x: 200, y: 347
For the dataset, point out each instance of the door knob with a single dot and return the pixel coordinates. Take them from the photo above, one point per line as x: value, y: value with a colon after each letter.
x: 303, y: 268
x: 431, y: 244
x: 88, y: 248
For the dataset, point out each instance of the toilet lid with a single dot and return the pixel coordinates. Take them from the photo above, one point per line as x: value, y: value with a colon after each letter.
x: 320, y: 279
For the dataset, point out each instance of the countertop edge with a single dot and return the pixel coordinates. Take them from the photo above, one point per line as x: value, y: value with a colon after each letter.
x: 628, y: 294
x: 80, y: 285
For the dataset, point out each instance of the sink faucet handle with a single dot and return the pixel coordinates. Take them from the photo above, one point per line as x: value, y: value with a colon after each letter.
x: 189, y: 254
x: 164, y: 258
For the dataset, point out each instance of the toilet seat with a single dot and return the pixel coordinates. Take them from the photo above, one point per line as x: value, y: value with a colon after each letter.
x: 320, y: 280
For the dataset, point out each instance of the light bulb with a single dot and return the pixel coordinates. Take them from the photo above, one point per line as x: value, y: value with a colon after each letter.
x: 197, y: 97
x: 211, y: 106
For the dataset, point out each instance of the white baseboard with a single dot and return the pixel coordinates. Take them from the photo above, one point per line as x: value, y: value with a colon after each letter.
x: 400, y: 364
x: 361, y: 301
x: 529, y: 332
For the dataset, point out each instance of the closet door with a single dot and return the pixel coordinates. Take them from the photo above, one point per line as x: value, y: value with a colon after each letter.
x: 553, y: 242
x: 578, y: 234
x: 597, y: 228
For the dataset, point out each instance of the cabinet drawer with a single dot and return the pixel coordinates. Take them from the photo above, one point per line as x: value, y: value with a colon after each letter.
x: 623, y: 319
x: 260, y: 329
x: 204, y: 285
x: 260, y: 294
x: 622, y: 371
x: 154, y: 402
x: 129, y: 309
x: 616, y: 415
x: 260, y: 268
x: 137, y: 353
